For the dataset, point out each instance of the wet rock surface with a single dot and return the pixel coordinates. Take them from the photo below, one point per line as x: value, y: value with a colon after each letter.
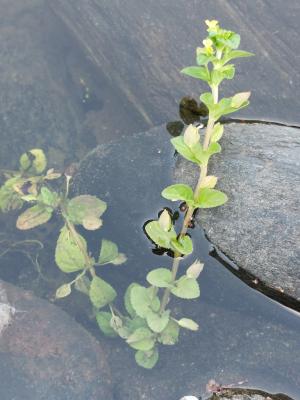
x: 247, y: 394
x: 243, y: 335
x: 259, y: 227
x: 141, y: 46
x: 45, y: 355
x: 51, y: 96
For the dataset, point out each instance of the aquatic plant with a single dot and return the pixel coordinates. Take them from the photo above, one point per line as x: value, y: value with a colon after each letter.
x: 149, y: 321
x: 33, y: 185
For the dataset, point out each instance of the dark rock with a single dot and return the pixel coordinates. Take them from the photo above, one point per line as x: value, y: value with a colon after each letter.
x: 259, y: 227
x: 142, y: 46
x: 247, y: 394
x: 243, y: 335
x: 45, y: 355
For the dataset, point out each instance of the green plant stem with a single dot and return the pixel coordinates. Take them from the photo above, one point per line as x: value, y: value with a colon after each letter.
x: 190, y: 210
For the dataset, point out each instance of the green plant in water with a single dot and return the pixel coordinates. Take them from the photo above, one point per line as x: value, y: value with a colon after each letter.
x: 32, y: 185
x: 149, y: 321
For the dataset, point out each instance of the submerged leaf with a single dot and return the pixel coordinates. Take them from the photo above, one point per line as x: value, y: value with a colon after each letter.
x: 141, y: 339
x: 147, y: 359
x: 63, y: 291
x: 34, y: 161
x: 103, y: 319
x: 34, y: 216
x: 142, y: 301
x: 188, y: 324
x: 157, y: 322
x: 101, y: 292
x: 109, y: 251
x: 68, y: 255
x: 170, y: 334
x: 86, y: 210
x: 160, y: 277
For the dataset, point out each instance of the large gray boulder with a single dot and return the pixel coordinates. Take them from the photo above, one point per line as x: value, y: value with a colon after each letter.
x: 140, y: 46
x: 243, y: 335
x: 259, y: 227
x: 46, y: 355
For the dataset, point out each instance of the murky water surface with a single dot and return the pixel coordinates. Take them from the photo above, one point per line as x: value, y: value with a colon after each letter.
x: 54, y: 95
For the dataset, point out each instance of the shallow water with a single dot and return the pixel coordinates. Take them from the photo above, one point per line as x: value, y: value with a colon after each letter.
x: 72, y: 107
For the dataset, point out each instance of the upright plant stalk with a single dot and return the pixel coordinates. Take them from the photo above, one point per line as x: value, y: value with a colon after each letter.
x: 190, y: 210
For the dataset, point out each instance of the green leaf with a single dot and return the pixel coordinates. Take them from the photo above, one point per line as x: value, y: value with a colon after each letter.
x: 101, y: 292
x: 147, y: 359
x: 236, y: 54
x: 225, y: 106
x: 142, y: 301
x: 228, y: 71
x: 103, y: 319
x: 109, y: 251
x: 170, y: 334
x: 141, y: 339
x: 86, y: 210
x: 197, y: 72
x: 135, y: 323
x: 183, y: 149
x: 186, y: 288
x: 183, y: 245
x: 68, y: 256
x: 157, y: 322
x: 34, y: 161
x: 127, y: 301
x: 209, y: 198
x: 217, y: 132
x: 48, y: 197
x: 34, y: 216
x: 207, y: 99
x: 203, y: 59
x: 158, y: 235
x: 178, y: 192
x: 188, y: 324
x: 63, y: 291
x: 213, y: 148
x: 231, y: 40
x: 160, y: 277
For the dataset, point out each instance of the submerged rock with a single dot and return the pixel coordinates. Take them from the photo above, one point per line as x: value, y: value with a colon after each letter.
x: 243, y: 335
x: 259, y: 227
x: 44, y: 354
